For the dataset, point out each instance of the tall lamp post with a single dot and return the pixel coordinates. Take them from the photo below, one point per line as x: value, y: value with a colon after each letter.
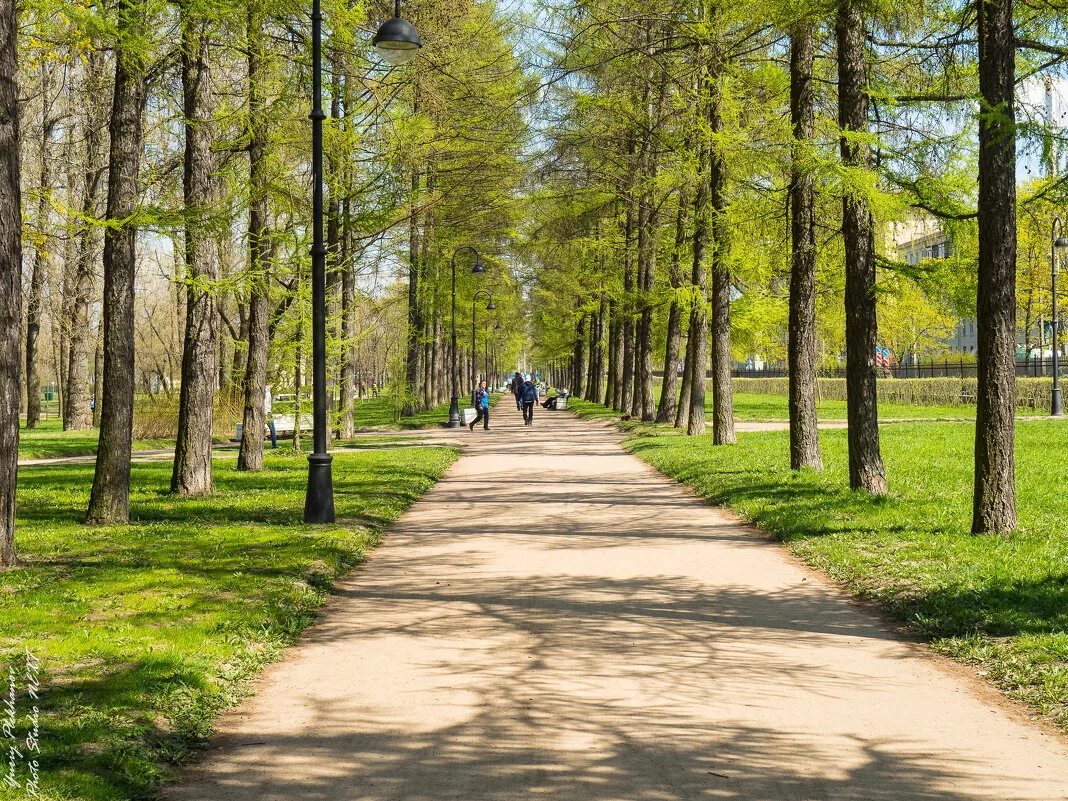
x: 1059, y: 244
x: 476, y: 269
x: 491, y: 306
x: 397, y: 42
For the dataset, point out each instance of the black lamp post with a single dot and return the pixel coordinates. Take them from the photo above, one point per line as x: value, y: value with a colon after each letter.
x: 491, y: 306
x: 397, y: 42
x: 476, y: 269
x: 1059, y: 244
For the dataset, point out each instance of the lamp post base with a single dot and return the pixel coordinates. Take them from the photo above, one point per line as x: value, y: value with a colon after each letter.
x: 454, y: 413
x: 319, y: 502
x: 1057, y: 409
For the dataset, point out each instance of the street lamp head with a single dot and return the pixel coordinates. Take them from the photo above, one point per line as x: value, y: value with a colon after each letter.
x: 491, y: 306
x: 478, y: 267
x: 397, y: 41
x: 1060, y: 244
x: 497, y: 327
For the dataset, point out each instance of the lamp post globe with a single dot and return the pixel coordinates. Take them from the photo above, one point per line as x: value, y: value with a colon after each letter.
x: 397, y: 41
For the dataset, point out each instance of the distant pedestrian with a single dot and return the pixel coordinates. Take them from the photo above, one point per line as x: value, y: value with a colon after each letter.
x: 482, y: 404
x: 517, y: 390
x: 268, y: 414
x: 530, y: 398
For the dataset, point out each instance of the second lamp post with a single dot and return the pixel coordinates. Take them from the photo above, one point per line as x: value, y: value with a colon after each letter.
x: 1058, y: 246
x: 476, y: 269
x: 491, y: 306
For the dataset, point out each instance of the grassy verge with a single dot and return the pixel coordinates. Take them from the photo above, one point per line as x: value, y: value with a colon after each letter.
x: 1000, y: 603
x: 380, y: 412
x: 759, y: 407
x: 146, y: 632
x: 50, y: 441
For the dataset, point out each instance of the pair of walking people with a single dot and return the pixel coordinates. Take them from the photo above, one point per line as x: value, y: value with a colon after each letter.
x: 526, y: 397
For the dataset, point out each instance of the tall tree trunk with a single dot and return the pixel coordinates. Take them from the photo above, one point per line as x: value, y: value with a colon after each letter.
x: 626, y: 393
x: 698, y: 336
x: 597, y: 353
x: 994, y: 500
x: 35, y: 298
x: 722, y: 402
x: 579, y: 372
x: 109, y: 501
x: 801, y: 345
x: 697, y: 344
x: 665, y: 412
x: 865, y: 462
x: 192, y: 454
x: 682, y: 412
x: 10, y: 280
x: 250, y: 454
x: 77, y: 415
x: 346, y: 403
x: 98, y: 372
x: 415, y: 309
x: 615, y: 356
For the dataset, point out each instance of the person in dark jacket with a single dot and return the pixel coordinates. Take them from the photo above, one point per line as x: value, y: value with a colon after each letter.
x: 517, y: 390
x: 482, y: 404
x: 529, y: 396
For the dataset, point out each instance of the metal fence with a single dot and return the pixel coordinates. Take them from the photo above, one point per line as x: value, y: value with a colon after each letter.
x: 932, y: 368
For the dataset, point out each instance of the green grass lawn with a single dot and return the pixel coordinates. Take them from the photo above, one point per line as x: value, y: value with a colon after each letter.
x: 1000, y: 603
x: 749, y: 406
x: 381, y: 412
x: 50, y: 441
x: 758, y: 407
x: 146, y: 632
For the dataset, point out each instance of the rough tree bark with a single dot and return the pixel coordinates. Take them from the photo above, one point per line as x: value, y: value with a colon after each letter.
x: 665, y: 413
x: 109, y: 501
x: 10, y: 280
x: 615, y: 356
x: 698, y: 336
x: 35, y: 297
x: 579, y: 359
x: 801, y: 344
x: 994, y: 499
x: 77, y: 414
x: 865, y: 462
x: 597, y: 353
x: 250, y: 454
x: 192, y: 454
x: 722, y: 401
x: 416, y: 322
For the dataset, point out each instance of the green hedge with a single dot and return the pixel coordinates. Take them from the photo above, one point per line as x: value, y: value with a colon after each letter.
x: 1031, y: 393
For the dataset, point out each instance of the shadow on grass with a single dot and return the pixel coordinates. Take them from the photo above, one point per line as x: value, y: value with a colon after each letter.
x: 146, y: 631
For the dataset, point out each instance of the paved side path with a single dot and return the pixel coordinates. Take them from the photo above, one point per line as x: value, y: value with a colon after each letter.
x: 556, y: 621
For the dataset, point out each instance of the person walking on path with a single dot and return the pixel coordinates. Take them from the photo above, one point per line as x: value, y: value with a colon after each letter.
x: 268, y: 414
x: 517, y: 390
x: 529, y: 396
x: 482, y: 403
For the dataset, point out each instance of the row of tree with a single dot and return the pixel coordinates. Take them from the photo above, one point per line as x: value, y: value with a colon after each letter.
x: 761, y: 152
x: 164, y: 152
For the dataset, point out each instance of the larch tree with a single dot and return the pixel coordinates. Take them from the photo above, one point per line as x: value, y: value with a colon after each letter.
x: 804, y: 431
x: 109, y: 501
x: 10, y: 279
x: 866, y: 469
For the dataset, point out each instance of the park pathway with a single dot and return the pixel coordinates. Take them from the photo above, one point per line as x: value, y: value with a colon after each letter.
x: 555, y: 620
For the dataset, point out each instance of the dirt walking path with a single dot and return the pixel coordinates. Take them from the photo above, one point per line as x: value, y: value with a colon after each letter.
x: 555, y: 620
